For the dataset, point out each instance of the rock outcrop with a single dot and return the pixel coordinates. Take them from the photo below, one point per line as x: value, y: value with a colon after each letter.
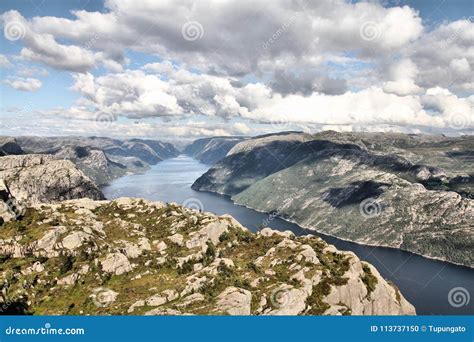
x: 101, y: 159
x: 41, y: 178
x: 9, y: 207
x: 135, y: 256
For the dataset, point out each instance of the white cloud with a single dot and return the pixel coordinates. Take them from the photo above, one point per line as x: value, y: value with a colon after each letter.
x: 136, y: 94
x: 166, y: 67
x: 460, y: 66
x: 133, y: 94
x: 290, y: 34
x: 314, y: 63
x: 24, y: 84
x: 44, y: 48
x: 457, y: 113
x: 445, y: 56
x: 402, y: 79
x: 30, y: 71
x: 4, y: 62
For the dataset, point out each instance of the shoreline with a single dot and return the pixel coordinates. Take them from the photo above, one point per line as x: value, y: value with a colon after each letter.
x: 359, y: 243
x: 309, y: 229
x: 306, y: 228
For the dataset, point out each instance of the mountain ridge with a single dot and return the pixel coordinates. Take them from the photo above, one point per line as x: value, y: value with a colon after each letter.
x: 102, y: 159
x: 211, y: 150
x: 388, y: 199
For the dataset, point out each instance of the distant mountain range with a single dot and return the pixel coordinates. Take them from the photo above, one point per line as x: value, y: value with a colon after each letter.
x: 211, y: 150
x: 101, y: 159
x: 413, y: 192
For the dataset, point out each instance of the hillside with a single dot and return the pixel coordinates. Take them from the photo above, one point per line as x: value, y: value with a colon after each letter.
x: 101, y: 159
x: 130, y: 256
x: 405, y: 191
x: 211, y: 150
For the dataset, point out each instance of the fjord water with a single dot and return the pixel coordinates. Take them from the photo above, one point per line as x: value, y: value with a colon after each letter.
x: 426, y: 283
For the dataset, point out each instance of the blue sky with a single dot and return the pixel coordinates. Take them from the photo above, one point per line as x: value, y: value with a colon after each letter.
x: 318, y: 72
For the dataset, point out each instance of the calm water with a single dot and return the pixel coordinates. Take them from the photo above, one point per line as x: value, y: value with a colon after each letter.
x: 425, y: 283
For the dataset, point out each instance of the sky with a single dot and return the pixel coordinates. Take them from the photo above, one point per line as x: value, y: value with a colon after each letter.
x: 182, y: 69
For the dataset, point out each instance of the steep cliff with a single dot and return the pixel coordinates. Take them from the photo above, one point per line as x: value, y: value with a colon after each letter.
x: 41, y: 178
x: 101, y: 159
x: 405, y: 191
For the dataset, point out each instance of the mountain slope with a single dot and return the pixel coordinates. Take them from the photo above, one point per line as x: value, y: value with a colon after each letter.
x: 138, y: 257
x: 41, y: 178
x: 9, y: 145
x: 211, y: 150
x: 252, y: 160
x: 368, y: 188
x: 102, y: 159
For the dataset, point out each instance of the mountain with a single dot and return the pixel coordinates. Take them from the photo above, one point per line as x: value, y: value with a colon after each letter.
x: 35, y: 179
x: 131, y: 256
x: 8, y: 146
x: 413, y: 192
x: 102, y: 159
x: 211, y: 150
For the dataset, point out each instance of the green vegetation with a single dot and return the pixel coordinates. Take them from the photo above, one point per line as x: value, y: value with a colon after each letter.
x: 245, y: 258
x: 368, y: 279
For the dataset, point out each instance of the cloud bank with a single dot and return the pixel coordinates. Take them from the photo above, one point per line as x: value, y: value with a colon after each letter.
x: 255, y: 65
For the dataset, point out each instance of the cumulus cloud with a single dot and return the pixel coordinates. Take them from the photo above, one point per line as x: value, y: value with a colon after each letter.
x: 310, y: 63
x: 24, y: 84
x: 402, y: 79
x: 293, y: 34
x: 137, y: 94
x: 445, y: 56
x: 30, y: 71
x: 133, y: 94
x: 306, y: 82
x: 457, y: 113
x: 4, y: 62
x: 44, y: 48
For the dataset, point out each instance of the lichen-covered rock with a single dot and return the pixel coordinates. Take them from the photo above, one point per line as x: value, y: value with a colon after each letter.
x: 235, y: 301
x: 75, y: 240
x: 116, y: 263
x: 68, y: 280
